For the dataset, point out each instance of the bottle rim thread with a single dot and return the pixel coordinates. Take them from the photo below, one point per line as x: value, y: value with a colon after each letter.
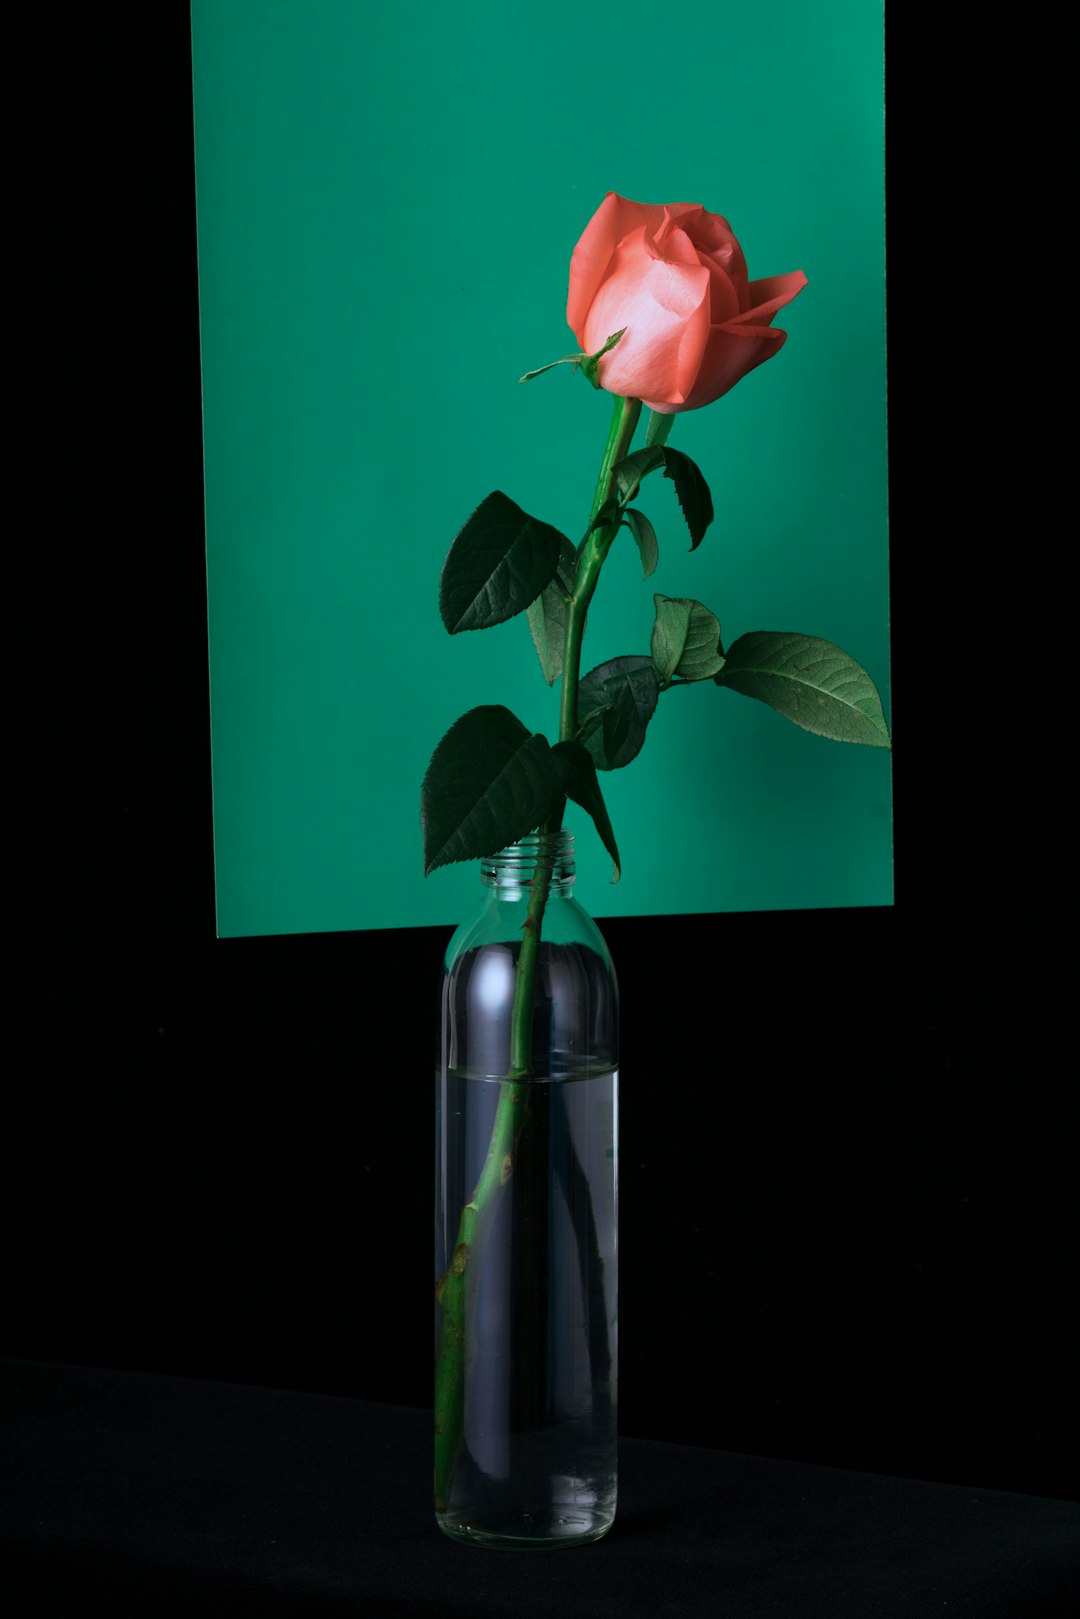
x: 515, y: 865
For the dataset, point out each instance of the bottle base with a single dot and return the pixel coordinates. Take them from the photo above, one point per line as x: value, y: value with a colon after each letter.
x: 523, y: 1534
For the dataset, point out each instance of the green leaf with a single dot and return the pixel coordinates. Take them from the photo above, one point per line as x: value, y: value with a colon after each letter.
x: 616, y: 701
x: 547, y: 615
x: 645, y: 538
x: 809, y: 681
x: 659, y: 427
x: 686, y: 475
x: 685, y: 639
x: 499, y: 563
x: 580, y: 784
x: 489, y: 783
x: 589, y: 363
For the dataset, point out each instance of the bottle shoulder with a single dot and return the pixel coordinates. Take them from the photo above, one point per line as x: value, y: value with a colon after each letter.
x: 499, y: 919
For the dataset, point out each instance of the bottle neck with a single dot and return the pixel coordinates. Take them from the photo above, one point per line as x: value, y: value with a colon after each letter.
x: 512, y: 871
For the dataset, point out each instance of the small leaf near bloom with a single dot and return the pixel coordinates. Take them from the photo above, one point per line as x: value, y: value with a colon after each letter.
x: 644, y: 538
x: 690, y: 486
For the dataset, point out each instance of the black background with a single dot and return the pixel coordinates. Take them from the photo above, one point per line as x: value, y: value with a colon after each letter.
x: 847, y: 1195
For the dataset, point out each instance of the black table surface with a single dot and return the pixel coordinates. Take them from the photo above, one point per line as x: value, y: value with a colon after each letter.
x: 168, y: 1494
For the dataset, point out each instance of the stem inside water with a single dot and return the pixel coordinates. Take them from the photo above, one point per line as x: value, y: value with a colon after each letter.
x: 512, y: 1110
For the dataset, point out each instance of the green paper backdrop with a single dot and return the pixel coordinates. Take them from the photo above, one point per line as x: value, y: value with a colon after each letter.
x: 387, y: 203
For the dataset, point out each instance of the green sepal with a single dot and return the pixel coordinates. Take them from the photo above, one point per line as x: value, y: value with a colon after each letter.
x: 580, y: 783
x: 567, y: 359
x: 685, y: 640
x: 644, y: 537
x: 686, y: 475
x: 616, y: 701
x: 547, y: 615
x: 500, y: 562
x: 490, y: 782
x: 811, y: 682
x: 590, y: 363
x: 586, y: 363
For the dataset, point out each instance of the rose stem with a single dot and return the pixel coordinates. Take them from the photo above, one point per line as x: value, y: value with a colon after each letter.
x: 513, y: 1096
x: 594, y: 551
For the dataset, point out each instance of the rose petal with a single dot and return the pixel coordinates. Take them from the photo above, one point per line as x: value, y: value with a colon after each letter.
x: 665, y: 310
x: 713, y: 236
x: 615, y: 218
x: 679, y: 217
x: 724, y: 304
x: 744, y: 342
x: 771, y: 294
x: 676, y: 247
x: 730, y: 352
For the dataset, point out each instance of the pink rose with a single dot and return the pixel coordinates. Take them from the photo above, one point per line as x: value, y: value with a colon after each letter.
x: 675, y: 278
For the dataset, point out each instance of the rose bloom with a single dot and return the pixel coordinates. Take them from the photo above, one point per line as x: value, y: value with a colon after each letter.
x: 675, y: 278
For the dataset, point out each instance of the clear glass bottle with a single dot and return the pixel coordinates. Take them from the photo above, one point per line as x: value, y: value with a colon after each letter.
x: 525, y: 1218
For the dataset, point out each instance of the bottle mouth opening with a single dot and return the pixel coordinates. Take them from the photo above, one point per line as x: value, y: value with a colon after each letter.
x: 551, y: 852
